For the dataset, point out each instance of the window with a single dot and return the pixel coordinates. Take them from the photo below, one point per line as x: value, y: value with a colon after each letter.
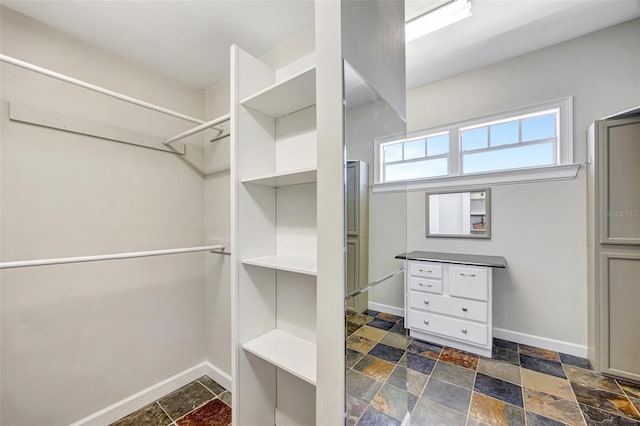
x: 423, y: 157
x: 537, y: 139
x: 525, y: 141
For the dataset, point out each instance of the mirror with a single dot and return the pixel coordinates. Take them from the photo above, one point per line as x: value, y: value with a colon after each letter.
x: 462, y: 214
x: 375, y: 232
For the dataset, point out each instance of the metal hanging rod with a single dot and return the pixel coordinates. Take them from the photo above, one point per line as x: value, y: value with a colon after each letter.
x: 218, y: 248
x: 120, y: 96
x: 197, y: 129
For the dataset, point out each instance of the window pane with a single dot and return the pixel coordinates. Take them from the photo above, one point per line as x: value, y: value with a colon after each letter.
x: 504, y: 133
x: 414, y: 149
x: 438, y: 145
x: 539, y: 127
x: 509, y: 158
x: 416, y: 170
x: 474, y: 138
x: 393, y: 152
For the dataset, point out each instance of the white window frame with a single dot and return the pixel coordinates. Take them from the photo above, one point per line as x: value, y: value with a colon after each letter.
x: 381, y: 145
x: 562, y: 169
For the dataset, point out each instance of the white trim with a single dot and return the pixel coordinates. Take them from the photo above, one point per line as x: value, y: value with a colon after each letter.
x: 541, y: 342
x: 503, y: 177
x: 386, y: 309
x: 148, y: 395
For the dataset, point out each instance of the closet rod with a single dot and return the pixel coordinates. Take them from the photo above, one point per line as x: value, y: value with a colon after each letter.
x: 114, y: 256
x: 195, y: 130
x: 120, y: 96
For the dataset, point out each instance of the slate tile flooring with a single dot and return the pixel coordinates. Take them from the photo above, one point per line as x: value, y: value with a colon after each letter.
x: 202, y: 402
x: 519, y: 385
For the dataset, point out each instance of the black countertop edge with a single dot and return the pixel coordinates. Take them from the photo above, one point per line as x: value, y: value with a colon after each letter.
x: 455, y: 258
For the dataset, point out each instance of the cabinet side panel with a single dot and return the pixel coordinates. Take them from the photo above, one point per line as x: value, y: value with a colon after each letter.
x: 256, y: 148
x: 253, y: 74
x: 257, y: 391
x: 252, y: 235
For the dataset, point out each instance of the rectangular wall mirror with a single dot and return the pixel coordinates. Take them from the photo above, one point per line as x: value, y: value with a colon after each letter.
x: 459, y: 214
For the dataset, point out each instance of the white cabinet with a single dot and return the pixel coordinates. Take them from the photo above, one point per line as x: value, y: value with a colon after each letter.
x: 274, y: 243
x: 450, y: 303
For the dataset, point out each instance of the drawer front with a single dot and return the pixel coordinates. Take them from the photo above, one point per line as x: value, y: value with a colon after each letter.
x: 470, y: 283
x: 425, y: 284
x: 449, y: 327
x: 427, y: 270
x: 464, y: 309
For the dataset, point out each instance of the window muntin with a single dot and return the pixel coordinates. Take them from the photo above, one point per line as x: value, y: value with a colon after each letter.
x: 417, y: 158
x: 489, y: 146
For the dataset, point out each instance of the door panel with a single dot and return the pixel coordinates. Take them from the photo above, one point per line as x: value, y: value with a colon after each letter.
x: 620, y: 155
x: 621, y: 316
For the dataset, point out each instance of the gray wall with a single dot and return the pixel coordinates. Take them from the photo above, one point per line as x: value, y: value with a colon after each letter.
x: 539, y: 227
x: 373, y: 42
x: 76, y: 338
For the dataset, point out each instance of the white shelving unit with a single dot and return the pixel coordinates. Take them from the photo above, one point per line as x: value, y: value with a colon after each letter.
x: 294, y: 177
x: 282, y: 98
x: 286, y: 351
x: 274, y: 240
x: 301, y: 265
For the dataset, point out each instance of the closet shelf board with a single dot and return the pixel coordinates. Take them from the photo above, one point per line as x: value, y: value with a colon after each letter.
x: 295, y: 177
x: 290, y: 353
x: 285, y: 97
x: 301, y: 265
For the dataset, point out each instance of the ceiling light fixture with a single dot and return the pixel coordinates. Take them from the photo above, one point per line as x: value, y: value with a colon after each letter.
x: 436, y: 19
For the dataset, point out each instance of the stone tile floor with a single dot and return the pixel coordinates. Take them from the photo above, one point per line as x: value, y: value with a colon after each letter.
x: 202, y: 402
x: 520, y: 385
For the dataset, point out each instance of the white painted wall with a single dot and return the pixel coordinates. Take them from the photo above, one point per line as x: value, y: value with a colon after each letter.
x: 76, y: 338
x: 540, y: 227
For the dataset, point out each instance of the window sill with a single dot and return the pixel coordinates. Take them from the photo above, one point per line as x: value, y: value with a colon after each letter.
x: 503, y: 177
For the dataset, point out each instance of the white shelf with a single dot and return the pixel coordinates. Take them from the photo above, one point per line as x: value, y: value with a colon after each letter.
x: 295, y: 177
x: 292, y: 354
x: 288, y: 96
x: 301, y: 265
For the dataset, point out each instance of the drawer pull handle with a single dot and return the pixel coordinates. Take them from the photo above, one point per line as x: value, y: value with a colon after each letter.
x: 464, y: 330
x: 467, y: 275
x: 464, y: 309
x: 423, y: 285
x: 423, y: 270
x: 426, y: 322
x: 426, y: 301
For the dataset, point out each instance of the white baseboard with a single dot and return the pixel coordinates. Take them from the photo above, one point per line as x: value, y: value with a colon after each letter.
x: 386, y: 309
x: 146, y: 396
x: 541, y: 342
x: 512, y: 336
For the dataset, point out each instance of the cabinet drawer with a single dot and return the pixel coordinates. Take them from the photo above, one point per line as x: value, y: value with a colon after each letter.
x: 425, y: 284
x: 421, y: 269
x: 461, y: 308
x: 449, y: 327
x: 470, y: 283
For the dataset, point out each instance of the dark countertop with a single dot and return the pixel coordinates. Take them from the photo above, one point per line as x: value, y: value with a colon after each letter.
x: 458, y: 258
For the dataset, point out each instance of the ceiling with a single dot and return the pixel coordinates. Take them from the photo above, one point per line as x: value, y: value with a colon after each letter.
x: 189, y: 40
